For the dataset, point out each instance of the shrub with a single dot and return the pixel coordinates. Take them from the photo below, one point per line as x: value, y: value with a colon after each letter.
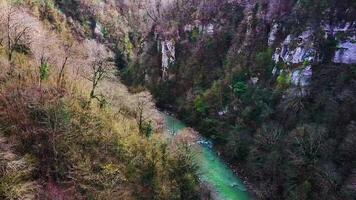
x: 200, y: 106
x: 16, y: 181
x: 91, y: 149
x: 44, y: 71
x: 263, y: 61
x: 194, y: 36
x: 283, y: 80
x: 239, y: 88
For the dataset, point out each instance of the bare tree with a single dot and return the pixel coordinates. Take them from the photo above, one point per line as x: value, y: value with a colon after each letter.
x: 68, y: 52
x: 101, y: 64
x: 16, y: 35
x: 100, y: 68
x: 153, y: 10
x: 144, y: 125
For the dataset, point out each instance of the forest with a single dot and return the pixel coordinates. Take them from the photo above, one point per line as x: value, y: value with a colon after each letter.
x: 271, y: 84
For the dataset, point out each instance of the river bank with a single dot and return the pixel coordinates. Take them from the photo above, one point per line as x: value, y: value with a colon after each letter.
x: 214, y: 172
x: 239, y: 173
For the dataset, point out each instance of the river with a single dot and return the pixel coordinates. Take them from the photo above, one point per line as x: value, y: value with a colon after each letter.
x: 212, y: 170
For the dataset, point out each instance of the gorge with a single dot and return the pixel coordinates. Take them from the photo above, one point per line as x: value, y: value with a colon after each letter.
x: 178, y: 99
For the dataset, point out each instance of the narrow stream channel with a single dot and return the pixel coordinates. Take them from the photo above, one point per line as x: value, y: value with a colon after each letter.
x: 212, y: 169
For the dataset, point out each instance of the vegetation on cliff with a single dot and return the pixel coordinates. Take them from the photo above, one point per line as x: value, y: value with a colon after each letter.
x: 262, y: 80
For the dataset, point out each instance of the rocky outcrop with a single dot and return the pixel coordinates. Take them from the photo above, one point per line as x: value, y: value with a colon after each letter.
x: 168, y: 56
x: 345, y: 35
x: 346, y: 53
x: 272, y: 35
x: 302, y: 77
x: 296, y: 49
x: 298, y: 52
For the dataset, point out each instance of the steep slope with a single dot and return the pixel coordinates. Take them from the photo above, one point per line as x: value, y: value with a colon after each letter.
x: 68, y: 134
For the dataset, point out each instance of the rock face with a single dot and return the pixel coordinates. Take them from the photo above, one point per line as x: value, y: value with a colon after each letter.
x: 294, y: 50
x: 297, y: 52
x: 168, y: 56
x: 346, y: 53
x: 98, y: 32
x: 207, y: 29
x: 345, y: 35
x: 272, y: 35
x: 303, y: 77
x: 297, y: 49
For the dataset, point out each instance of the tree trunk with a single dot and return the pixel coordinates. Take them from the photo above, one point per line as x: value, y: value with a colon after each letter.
x: 61, y: 73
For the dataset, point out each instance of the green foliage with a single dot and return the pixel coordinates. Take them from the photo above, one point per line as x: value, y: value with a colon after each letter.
x: 133, y: 75
x: 128, y: 46
x: 105, y: 32
x: 264, y: 61
x: 199, y: 105
x: 239, y: 88
x: 305, y: 63
x: 194, y: 36
x: 258, y: 105
x: 283, y: 80
x: 44, y: 71
x: 21, y: 48
x: 146, y: 128
x: 237, y: 148
x: 210, y: 126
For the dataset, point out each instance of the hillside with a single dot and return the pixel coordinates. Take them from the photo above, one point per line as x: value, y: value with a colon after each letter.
x: 68, y: 128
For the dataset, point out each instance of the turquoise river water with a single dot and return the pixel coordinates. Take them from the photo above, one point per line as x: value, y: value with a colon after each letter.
x: 212, y: 170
